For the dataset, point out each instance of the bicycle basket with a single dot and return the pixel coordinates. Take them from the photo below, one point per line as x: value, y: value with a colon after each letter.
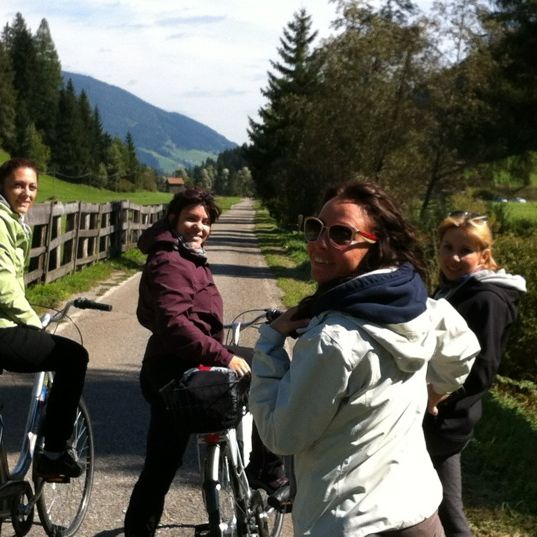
x: 206, y: 400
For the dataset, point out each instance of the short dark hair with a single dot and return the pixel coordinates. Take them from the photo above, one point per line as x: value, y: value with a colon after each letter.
x: 9, y: 167
x: 194, y: 196
x: 397, y: 238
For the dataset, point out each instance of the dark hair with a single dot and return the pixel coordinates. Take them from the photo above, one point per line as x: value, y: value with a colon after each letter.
x: 397, y: 238
x: 9, y: 167
x: 193, y: 196
x: 397, y: 241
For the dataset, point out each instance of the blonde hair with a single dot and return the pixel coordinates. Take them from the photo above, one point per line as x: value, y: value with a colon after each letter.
x: 477, y: 230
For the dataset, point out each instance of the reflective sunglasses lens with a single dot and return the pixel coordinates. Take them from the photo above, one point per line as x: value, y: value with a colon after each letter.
x: 474, y: 218
x: 341, y: 234
x: 312, y: 229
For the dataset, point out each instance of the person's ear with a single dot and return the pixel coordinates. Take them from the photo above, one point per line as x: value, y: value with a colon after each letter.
x: 485, y: 257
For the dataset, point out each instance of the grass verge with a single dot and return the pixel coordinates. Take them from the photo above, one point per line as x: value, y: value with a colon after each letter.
x: 285, y: 254
x: 499, y: 472
x: 50, y: 295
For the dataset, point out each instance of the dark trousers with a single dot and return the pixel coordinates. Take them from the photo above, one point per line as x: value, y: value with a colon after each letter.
x: 263, y: 463
x: 451, y: 509
x: 164, y: 455
x: 26, y: 349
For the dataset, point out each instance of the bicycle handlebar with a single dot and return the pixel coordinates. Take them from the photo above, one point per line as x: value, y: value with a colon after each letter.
x: 80, y: 303
x: 87, y: 304
x: 272, y: 313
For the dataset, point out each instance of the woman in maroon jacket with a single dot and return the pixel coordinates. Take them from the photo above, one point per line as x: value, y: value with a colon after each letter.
x: 181, y: 306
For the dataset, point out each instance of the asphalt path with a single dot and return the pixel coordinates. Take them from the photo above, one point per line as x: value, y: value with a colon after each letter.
x: 119, y: 414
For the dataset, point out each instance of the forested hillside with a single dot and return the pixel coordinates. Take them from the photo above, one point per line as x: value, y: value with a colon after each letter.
x: 45, y: 120
x: 163, y: 140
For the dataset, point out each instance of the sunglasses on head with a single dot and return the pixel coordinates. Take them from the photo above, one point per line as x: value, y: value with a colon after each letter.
x: 339, y: 235
x: 469, y: 216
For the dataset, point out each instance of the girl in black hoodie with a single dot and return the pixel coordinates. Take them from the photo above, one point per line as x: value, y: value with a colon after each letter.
x: 487, y: 298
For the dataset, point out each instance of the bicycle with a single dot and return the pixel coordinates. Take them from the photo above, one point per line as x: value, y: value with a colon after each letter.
x: 61, y: 506
x: 234, y: 509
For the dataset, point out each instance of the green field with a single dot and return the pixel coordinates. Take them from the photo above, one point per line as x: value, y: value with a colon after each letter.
x: 51, y: 188
x: 522, y: 211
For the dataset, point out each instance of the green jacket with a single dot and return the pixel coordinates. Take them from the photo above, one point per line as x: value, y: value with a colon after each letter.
x: 15, y: 245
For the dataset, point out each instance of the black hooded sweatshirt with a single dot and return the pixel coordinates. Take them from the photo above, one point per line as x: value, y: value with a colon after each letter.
x: 488, y: 302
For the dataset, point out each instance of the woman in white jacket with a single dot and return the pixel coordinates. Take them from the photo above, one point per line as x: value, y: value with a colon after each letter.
x: 349, y: 405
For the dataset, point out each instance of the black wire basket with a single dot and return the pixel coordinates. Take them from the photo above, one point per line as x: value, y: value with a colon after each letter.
x: 204, y: 401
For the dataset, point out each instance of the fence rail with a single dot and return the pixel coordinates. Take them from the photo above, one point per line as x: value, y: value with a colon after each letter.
x: 68, y: 236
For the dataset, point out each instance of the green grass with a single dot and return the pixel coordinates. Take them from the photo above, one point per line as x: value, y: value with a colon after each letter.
x: 285, y: 253
x: 50, y: 295
x: 51, y: 188
x: 523, y: 211
x: 499, y: 470
x: 190, y: 157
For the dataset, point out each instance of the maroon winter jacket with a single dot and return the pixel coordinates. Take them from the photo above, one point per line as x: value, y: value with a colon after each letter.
x: 180, y: 304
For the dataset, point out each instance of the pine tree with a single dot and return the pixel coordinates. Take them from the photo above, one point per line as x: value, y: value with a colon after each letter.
x: 512, y: 90
x: 36, y: 150
x: 276, y: 137
x: 66, y: 154
x: 48, y: 80
x: 87, y: 149
x: 131, y: 162
x: 21, y: 50
x: 7, y: 102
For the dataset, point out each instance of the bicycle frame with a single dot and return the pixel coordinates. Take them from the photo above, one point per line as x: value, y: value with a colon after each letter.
x: 223, y: 470
x: 17, y: 496
x: 31, y: 430
x: 13, y: 482
x: 229, y: 438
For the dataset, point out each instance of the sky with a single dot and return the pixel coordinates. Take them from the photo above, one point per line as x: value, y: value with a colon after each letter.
x: 206, y: 59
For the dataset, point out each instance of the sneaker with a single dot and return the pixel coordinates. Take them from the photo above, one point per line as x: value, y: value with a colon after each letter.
x: 281, y: 499
x: 65, y: 466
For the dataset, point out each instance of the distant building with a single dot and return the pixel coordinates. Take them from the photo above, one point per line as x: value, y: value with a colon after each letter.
x: 175, y: 184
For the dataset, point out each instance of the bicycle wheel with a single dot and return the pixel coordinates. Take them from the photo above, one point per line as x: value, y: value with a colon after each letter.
x: 269, y: 521
x: 225, y: 506
x: 62, y: 506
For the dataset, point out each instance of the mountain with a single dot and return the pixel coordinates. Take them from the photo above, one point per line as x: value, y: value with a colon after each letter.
x: 163, y: 140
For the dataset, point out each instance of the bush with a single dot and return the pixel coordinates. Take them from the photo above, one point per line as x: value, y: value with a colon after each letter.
x: 519, y: 256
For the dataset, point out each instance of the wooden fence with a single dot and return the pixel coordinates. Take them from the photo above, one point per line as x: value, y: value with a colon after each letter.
x: 69, y: 236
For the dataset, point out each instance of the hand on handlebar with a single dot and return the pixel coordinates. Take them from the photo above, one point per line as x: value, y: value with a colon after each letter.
x: 240, y: 366
x: 286, y: 325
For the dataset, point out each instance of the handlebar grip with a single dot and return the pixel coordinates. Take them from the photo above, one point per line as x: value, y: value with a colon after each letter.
x: 87, y: 304
x: 272, y: 313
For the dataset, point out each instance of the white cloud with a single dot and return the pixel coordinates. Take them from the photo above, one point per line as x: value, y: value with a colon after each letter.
x: 206, y: 59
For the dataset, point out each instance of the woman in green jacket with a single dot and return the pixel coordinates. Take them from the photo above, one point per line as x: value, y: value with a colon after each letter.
x: 24, y: 346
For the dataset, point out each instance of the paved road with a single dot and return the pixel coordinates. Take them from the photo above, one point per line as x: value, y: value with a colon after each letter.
x: 116, y: 342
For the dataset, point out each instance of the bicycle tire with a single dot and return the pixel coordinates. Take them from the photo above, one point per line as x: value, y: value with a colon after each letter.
x: 22, y: 511
x: 62, y: 507
x: 269, y: 521
x: 225, y: 505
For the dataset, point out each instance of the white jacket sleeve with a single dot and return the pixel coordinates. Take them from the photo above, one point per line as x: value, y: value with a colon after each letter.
x: 456, y: 348
x: 293, y: 402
